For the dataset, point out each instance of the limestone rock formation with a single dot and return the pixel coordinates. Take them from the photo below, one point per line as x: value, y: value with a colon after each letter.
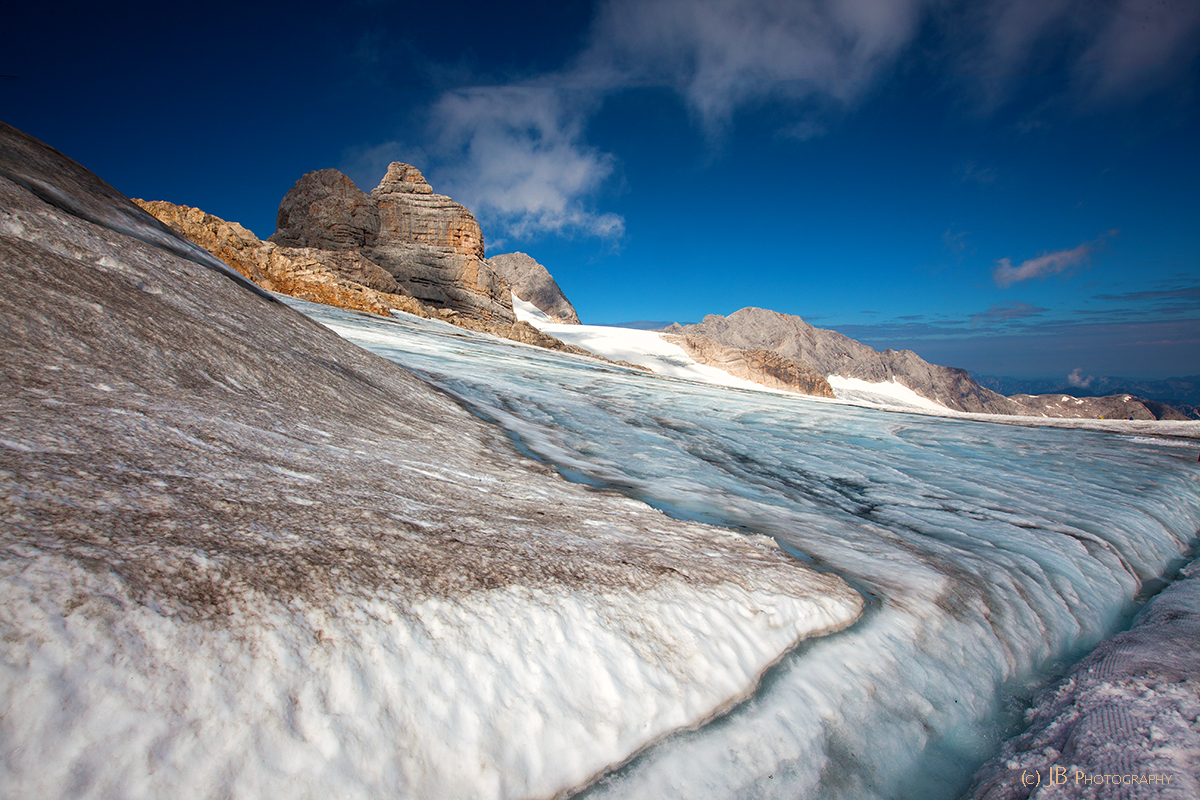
x: 430, y: 245
x: 533, y: 283
x: 327, y: 211
x: 343, y: 279
x: 765, y: 367
x: 831, y: 353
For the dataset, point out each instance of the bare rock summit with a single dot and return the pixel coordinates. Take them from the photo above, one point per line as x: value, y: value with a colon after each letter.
x: 533, y: 283
x: 327, y: 211
x: 829, y: 353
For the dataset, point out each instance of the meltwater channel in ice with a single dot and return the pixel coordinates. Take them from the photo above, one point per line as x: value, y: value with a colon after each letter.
x: 991, y: 554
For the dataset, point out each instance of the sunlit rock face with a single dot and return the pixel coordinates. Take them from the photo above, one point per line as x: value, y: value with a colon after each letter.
x: 242, y: 557
x: 327, y: 211
x: 831, y: 353
x: 533, y: 283
x: 342, y: 278
x: 434, y: 247
x: 765, y: 367
x: 430, y: 245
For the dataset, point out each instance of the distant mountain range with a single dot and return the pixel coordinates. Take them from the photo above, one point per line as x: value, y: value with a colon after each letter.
x: 1185, y: 390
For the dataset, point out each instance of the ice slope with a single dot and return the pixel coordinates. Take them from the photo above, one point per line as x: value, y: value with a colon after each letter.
x: 1124, y: 722
x: 646, y: 348
x: 885, y: 394
x: 994, y: 554
x: 241, y: 558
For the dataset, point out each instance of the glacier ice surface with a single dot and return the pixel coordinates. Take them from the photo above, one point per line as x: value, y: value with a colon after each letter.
x: 994, y: 554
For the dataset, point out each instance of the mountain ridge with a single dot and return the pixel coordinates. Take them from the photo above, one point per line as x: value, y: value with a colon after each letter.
x: 831, y: 353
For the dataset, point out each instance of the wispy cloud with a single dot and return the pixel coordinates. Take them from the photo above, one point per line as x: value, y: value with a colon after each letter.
x: 519, y: 160
x: 1077, y: 380
x: 971, y: 172
x: 1005, y: 274
x: 1187, y: 293
x: 529, y: 169
x: 955, y: 242
x: 721, y: 55
x: 1004, y: 312
x: 1044, y: 344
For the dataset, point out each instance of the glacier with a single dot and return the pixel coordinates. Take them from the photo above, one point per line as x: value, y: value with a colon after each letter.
x: 243, y: 557
x: 991, y: 556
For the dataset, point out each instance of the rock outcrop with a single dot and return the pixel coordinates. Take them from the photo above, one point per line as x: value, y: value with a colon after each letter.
x: 831, y: 353
x: 533, y: 283
x: 430, y: 245
x: 765, y: 367
x: 342, y: 279
x: 327, y: 211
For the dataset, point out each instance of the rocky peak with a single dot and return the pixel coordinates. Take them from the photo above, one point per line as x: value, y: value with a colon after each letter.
x: 831, y: 353
x: 410, y: 213
x: 402, y: 178
x: 327, y: 211
x: 533, y: 283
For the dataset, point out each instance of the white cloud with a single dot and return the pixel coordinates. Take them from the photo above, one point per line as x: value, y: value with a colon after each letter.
x: 1077, y: 380
x: 724, y: 54
x: 519, y: 161
x: 1005, y: 274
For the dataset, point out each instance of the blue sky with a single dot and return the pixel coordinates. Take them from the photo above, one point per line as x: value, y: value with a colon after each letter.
x: 1008, y: 186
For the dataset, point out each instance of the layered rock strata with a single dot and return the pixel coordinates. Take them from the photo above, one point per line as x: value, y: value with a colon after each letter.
x: 430, y: 245
x: 335, y: 277
x: 533, y: 283
x: 765, y: 367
